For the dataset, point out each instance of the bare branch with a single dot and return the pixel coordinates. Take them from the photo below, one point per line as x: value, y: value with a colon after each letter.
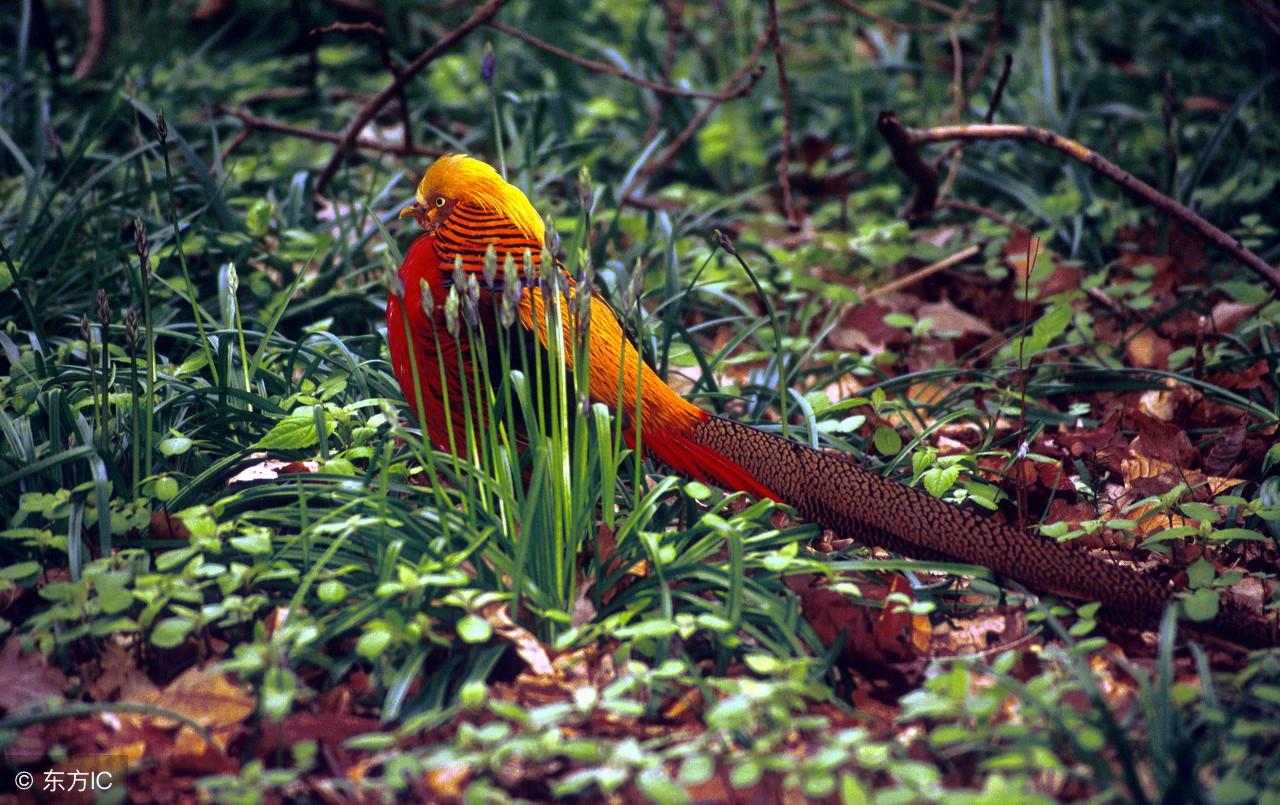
x: 784, y: 177
x: 366, y: 114
x: 254, y: 123
x: 923, y: 176
x: 674, y: 12
x: 379, y: 35
x: 600, y: 67
x: 95, y: 46
x: 905, y: 26
x: 923, y: 273
x: 740, y: 83
x: 908, y: 140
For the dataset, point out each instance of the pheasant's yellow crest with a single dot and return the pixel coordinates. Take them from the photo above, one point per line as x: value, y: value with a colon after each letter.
x: 460, y: 178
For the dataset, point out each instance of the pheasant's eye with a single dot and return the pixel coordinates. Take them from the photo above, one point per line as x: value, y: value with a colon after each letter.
x: 439, y: 201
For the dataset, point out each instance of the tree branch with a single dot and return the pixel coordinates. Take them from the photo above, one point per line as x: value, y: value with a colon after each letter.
x: 923, y: 176
x: 601, y: 67
x: 740, y: 83
x: 366, y: 114
x: 96, y: 45
x: 904, y: 143
x: 906, y: 27
x: 784, y: 177
x: 254, y: 123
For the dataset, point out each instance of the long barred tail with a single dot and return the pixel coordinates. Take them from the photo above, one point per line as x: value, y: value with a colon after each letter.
x: 836, y: 493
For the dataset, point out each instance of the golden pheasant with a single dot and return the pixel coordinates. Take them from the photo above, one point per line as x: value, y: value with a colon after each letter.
x: 464, y: 207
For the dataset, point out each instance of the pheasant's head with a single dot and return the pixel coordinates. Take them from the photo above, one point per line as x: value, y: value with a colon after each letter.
x: 458, y: 179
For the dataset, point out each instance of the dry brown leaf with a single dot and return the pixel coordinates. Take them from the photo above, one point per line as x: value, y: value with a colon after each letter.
x: 1225, y: 450
x: 117, y: 760
x: 117, y: 675
x: 1228, y: 315
x: 27, y: 678
x: 324, y: 728
x: 843, y: 388
x: 1147, y: 349
x: 1158, y: 404
x: 527, y: 646
x: 947, y: 318
x: 210, y: 699
x: 270, y: 469
x: 447, y: 781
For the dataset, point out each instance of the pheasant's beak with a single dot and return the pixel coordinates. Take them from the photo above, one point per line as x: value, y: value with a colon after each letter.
x: 418, y: 212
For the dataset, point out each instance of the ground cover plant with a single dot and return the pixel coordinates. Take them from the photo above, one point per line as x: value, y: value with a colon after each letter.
x: 232, y: 568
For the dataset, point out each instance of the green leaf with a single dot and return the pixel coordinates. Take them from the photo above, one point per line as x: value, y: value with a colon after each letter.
x: 1200, y: 512
x: 22, y: 572
x: 1177, y: 532
x: 113, y: 596
x: 659, y: 788
x: 175, y: 445
x: 763, y: 664
x: 1202, y: 605
x: 165, y: 488
x: 474, y: 629
x: 852, y: 792
x: 1227, y: 534
x: 1200, y: 573
x: 258, y: 219
x: 294, y: 432
x: 697, y: 769
x: 652, y: 629
x: 937, y: 480
x: 171, y: 559
x: 902, y: 321
x: 1232, y: 789
x: 887, y: 440
x: 745, y: 774
x: 373, y: 642
x: 170, y: 632
x: 254, y: 540
x: 279, y: 687
x: 697, y: 491
x: 331, y: 591
x: 730, y: 713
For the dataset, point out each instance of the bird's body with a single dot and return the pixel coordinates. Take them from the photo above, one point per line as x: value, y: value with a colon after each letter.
x: 464, y: 207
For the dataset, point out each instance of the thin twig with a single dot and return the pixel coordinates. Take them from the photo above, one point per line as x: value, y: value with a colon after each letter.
x: 784, y: 177
x: 740, y: 83
x: 1033, y: 254
x: 893, y: 130
x: 95, y: 46
x: 905, y: 27
x: 956, y: 152
x: 674, y: 11
x: 960, y: 96
x: 989, y: 50
x: 602, y: 67
x: 376, y: 31
x: 379, y: 35
x: 366, y: 114
x: 923, y: 176
x: 961, y: 13
x: 923, y: 273
x: 254, y: 123
x: 977, y: 209
x: 998, y: 93
x: 235, y: 143
x: 1266, y: 11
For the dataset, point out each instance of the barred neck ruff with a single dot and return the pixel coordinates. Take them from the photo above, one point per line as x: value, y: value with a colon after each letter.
x: 468, y: 230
